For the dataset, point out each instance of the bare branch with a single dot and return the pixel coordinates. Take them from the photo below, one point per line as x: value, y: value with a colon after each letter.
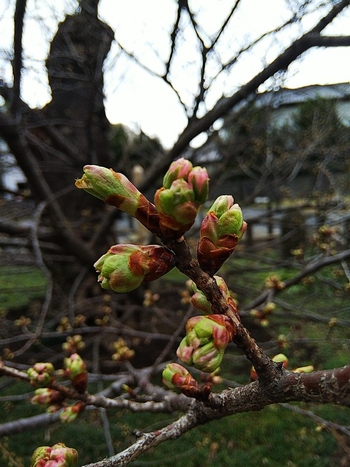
x: 224, y: 105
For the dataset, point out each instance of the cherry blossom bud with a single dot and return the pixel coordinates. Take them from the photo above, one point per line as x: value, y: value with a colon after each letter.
x: 56, y: 456
x: 70, y: 413
x: 304, y: 369
x: 75, y: 369
x: 41, y: 374
x: 176, y: 208
x: 281, y: 358
x: 46, y: 396
x: 253, y: 374
x: 199, y: 179
x: 117, y: 190
x: 125, y: 267
x: 178, y: 169
x: 221, y: 230
x: 206, y: 340
x: 176, y: 376
x: 185, y: 189
x: 200, y: 301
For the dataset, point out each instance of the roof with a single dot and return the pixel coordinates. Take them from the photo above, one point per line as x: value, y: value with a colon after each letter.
x: 286, y: 96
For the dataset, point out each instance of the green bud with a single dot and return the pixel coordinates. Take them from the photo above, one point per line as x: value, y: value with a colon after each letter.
x: 76, y: 372
x: 125, y: 267
x: 221, y: 230
x: 117, y: 190
x: 176, y: 376
x: 205, y: 341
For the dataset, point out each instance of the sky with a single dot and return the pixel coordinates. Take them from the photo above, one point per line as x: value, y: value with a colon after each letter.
x: 137, y: 98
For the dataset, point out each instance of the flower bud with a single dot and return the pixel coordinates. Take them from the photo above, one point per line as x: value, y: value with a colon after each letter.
x: 70, y: 413
x: 46, y: 396
x: 176, y: 376
x: 199, y: 300
x: 125, y: 267
x: 41, y: 374
x: 178, y: 169
x: 304, y: 369
x: 117, y: 190
x: 281, y: 358
x: 76, y: 371
x: 56, y: 456
x: 184, y: 189
x: 176, y: 208
x: 221, y: 230
x: 199, y: 179
x: 205, y: 341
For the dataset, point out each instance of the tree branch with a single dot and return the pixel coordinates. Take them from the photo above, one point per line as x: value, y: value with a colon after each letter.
x: 323, y: 386
x: 17, y: 62
x: 223, y: 106
x: 13, y: 135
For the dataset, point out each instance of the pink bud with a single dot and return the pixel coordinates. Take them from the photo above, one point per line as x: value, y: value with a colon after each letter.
x: 199, y: 179
x: 56, y: 456
x: 178, y: 169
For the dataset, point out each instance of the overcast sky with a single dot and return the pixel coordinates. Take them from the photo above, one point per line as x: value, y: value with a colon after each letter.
x: 138, y: 99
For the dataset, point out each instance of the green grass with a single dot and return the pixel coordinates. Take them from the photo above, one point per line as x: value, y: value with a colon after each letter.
x: 273, y: 437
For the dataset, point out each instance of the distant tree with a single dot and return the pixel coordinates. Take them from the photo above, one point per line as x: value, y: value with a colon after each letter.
x: 255, y: 148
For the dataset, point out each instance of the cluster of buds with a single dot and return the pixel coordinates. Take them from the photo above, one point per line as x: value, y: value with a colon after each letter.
x: 56, y: 456
x: 200, y: 301
x: 64, y: 325
x: 262, y: 314
x: 75, y: 370
x: 282, y: 341
x: 220, y: 231
x: 23, y: 322
x: 41, y: 374
x: 325, y: 239
x: 117, y: 190
x: 73, y: 344
x: 125, y: 267
x: 150, y: 298
x: 185, y: 189
x: 49, y: 398
x: 274, y: 282
x: 206, y: 340
x: 70, y: 412
x: 122, y: 351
